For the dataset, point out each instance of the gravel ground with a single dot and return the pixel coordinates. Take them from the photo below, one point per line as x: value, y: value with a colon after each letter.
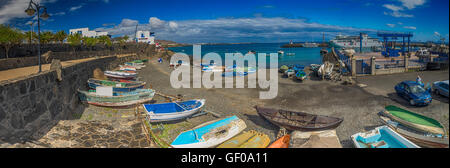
x: 358, y: 106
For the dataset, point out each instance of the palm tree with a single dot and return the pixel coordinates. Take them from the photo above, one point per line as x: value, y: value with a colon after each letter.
x: 60, y: 36
x: 10, y: 37
x: 47, y: 37
x: 105, y: 40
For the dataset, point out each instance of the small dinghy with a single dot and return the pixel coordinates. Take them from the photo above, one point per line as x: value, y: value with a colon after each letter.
x: 118, y: 99
x: 248, y: 139
x: 283, y: 68
x: 173, y: 111
x: 117, y: 86
x: 315, y: 139
x: 120, y: 75
x: 381, y: 137
x: 127, y: 68
x: 210, y: 134
x: 300, y: 75
x: 293, y: 120
x: 288, y: 73
x: 414, y: 120
x: 282, y: 142
x: 423, y: 139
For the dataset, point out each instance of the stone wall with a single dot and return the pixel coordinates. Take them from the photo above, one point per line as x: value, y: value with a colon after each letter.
x: 26, y: 55
x: 31, y: 106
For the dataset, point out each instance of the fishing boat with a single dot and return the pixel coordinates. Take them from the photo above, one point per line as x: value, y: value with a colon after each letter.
x: 300, y: 75
x: 210, y: 134
x: 137, y: 65
x: 297, y: 67
x: 282, y: 142
x: 414, y: 120
x: 118, y: 99
x: 280, y: 52
x: 289, y: 73
x: 293, y: 120
x: 381, y: 137
x: 127, y: 68
x: 315, y: 139
x: 117, y: 86
x: 423, y: 139
x: 120, y: 75
x: 174, y: 110
x: 283, y: 68
x: 248, y: 139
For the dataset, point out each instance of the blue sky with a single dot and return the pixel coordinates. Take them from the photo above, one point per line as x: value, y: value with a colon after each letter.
x: 197, y: 21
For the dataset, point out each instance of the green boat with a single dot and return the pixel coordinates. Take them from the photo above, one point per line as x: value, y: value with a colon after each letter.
x: 414, y: 120
x: 283, y: 68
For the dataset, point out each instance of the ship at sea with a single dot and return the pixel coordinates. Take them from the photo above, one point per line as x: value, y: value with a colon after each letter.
x: 354, y: 41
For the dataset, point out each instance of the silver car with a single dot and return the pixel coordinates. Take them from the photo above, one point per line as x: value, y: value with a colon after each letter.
x: 441, y: 88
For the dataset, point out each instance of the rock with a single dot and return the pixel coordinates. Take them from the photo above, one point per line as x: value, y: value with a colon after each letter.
x: 46, y: 56
x: 56, y: 65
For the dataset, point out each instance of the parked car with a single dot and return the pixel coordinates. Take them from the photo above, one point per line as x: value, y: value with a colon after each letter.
x: 414, y: 93
x: 441, y: 88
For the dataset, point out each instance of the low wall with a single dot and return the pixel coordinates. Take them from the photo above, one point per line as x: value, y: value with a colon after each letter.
x: 66, y: 52
x: 31, y: 106
x: 389, y: 71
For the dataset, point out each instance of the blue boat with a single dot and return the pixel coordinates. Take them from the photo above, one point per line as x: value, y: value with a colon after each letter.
x: 173, y: 111
x: 210, y: 134
x: 381, y: 137
x: 301, y: 75
x: 227, y: 74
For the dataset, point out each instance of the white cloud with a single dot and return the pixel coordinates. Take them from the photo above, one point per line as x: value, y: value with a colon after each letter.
x: 255, y: 29
x: 155, y: 22
x: 393, y: 7
x: 74, y: 8
x: 12, y: 9
x: 437, y: 34
x: 390, y: 25
x: 410, y: 27
x: 411, y: 4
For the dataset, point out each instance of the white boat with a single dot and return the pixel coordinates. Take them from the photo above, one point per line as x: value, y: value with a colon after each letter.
x: 354, y: 41
x: 210, y: 134
x: 173, y: 111
x: 128, y: 68
x: 381, y: 137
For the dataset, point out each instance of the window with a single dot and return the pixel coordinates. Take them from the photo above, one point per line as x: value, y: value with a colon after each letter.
x: 444, y: 86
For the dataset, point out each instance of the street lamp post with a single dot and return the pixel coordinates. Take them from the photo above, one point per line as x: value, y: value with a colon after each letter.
x: 36, y: 9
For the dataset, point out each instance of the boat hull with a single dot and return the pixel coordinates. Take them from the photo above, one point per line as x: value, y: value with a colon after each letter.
x: 171, y: 116
x: 299, y: 121
x: 210, y: 134
x: 389, y: 112
x: 123, y: 99
x: 249, y: 139
x: 282, y: 142
x: 419, y: 138
x: 395, y: 140
x: 117, y: 86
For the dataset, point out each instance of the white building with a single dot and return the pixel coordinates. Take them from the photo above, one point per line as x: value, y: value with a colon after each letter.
x: 145, y: 37
x: 86, y: 33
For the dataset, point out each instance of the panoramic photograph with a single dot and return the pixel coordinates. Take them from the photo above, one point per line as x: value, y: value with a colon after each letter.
x: 224, y: 74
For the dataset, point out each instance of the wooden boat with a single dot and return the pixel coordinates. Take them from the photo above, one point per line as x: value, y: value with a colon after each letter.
x: 381, y: 137
x: 289, y: 72
x: 120, y: 75
x: 300, y: 75
x: 174, y: 110
x: 117, y: 86
x: 414, y: 120
x: 210, y: 134
x: 127, y: 68
x: 315, y: 139
x: 119, y: 99
x: 423, y: 139
x: 248, y: 139
x: 292, y: 120
x: 283, y: 68
x: 282, y: 142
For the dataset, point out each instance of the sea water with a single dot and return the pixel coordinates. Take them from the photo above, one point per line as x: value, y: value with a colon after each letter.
x: 302, y: 56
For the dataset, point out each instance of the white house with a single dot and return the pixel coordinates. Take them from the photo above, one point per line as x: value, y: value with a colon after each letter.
x: 145, y: 37
x: 85, y: 32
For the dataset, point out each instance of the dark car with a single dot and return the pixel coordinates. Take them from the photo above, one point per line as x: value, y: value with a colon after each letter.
x: 414, y: 93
